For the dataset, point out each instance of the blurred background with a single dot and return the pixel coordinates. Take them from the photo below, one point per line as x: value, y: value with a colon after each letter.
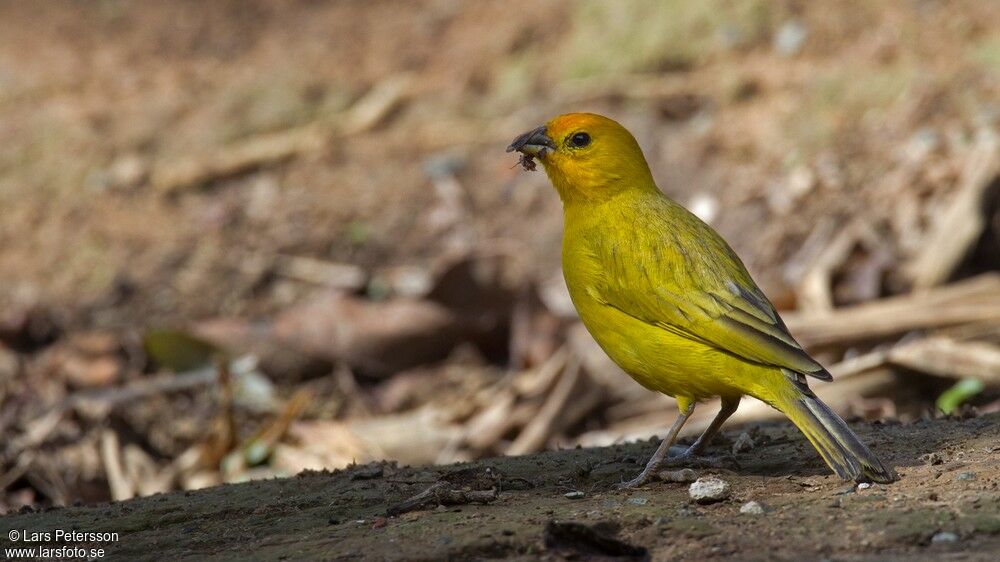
x: 240, y: 239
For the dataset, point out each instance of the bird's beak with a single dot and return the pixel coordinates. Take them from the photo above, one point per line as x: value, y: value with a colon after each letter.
x: 533, y: 143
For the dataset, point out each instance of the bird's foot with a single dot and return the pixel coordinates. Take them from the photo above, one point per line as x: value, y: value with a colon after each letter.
x: 690, y: 459
x: 643, y: 477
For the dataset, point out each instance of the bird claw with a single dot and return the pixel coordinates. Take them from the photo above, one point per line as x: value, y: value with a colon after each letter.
x: 633, y: 483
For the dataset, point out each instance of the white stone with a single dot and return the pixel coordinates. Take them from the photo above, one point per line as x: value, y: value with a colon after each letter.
x: 709, y: 489
x: 752, y: 508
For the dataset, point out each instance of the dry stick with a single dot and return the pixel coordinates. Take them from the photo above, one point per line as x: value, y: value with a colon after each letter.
x: 534, y: 436
x: 121, y: 488
x: 42, y: 427
x: 442, y: 493
x: 271, y: 148
x: 961, y: 225
x: 23, y: 464
x: 489, y: 425
x: 804, y: 271
x: 973, y: 300
x: 172, y: 176
x: 814, y: 289
x: 147, y: 477
x: 945, y: 357
x: 45, y: 478
x: 339, y: 276
x: 39, y: 430
x: 536, y: 382
x: 159, y: 384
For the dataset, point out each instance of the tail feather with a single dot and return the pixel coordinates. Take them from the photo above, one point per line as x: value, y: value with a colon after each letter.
x: 836, y: 443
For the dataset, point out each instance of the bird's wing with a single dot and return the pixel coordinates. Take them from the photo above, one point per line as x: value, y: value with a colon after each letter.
x: 715, y: 302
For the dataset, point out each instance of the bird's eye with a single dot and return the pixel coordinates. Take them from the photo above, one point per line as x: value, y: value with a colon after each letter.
x: 580, y: 140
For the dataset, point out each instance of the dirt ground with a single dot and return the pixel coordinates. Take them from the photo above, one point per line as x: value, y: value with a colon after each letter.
x: 950, y: 476
x: 825, y: 141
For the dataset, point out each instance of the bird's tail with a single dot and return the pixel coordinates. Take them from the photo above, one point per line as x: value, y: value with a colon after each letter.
x: 842, y: 450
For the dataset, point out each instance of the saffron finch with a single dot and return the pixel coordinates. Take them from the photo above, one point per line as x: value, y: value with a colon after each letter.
x: 670, y: 302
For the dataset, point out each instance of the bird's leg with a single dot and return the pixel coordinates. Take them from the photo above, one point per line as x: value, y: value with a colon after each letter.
x: 686, y: 408
x: 693, y: 453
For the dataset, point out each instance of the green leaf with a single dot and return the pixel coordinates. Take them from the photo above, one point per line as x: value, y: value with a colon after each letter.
x: 951, y: 399
x: 178, y: 350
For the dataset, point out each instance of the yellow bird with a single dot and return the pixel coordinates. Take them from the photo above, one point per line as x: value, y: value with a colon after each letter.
x: 669, y: 301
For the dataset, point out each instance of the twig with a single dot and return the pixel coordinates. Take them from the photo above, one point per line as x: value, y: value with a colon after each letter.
x: 491, y: 423
x: 23, y: 463
x: 159, y: 384
x: 340, y: 276
x: 121, y: 488
x: 961, y: 225
x: 270, y: 148
x: 374, y: 106
x: 973, y: 300
x: 945, y: 357
x: 534, y: 436
x: 814, y: 289
x: 442, y: 493
x: 261, y: 150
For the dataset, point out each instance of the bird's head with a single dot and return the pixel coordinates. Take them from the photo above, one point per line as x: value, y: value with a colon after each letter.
x: 586, y: 156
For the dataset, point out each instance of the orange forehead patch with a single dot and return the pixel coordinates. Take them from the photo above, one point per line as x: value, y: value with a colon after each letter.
x: 570, y: 122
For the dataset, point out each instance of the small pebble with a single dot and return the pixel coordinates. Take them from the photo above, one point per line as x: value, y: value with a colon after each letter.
x: 574, y: 495
x: 637, y: 501
x: 965, y: 476
x: 790, y: 37
x: 944, y: 537
x: 864, y: 485
x: 932, y: 458
x: 684, y: 475
x: 752, y: 508
x: 709, y: 489
x: 743, y: 443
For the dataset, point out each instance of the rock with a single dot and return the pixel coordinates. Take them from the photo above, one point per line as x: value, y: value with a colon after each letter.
x: 920, y: 145
x: 637, y: 501
x: 610, y: 503
x: 790, y: 38
x: 752, y: 508
x: 574, y: 495
x: 128, y: 171
x: 709, y: 489
x: 965, y: 476
x: 931, y: 458
x: 944, y: 537
x: 683, y: 475
x: 864, y: 485
x: 743, y: 443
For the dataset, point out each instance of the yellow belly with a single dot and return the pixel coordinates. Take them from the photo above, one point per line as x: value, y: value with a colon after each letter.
x: 663, y: 361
